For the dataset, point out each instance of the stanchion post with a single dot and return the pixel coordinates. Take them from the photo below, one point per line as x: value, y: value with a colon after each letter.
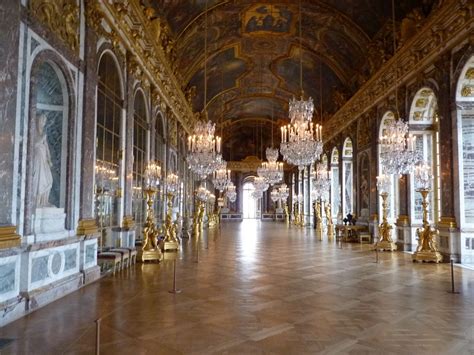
x: 376, y: 255
x: 453, y: 291
x: 174, y: 290
x: 97, y: 336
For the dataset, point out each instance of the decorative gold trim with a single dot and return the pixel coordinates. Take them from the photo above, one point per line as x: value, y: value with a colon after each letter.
x: 447, y: 222
x: 128, y: 222
x: 403, y: 220
x: 87, y: 227
x: 8, y: 237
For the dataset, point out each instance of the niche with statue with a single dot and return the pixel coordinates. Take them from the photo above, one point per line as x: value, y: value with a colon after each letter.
x: 49, y: 154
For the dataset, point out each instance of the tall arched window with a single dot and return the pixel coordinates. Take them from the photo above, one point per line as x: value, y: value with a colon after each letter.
x: 393, y: 201
x: 423, y: 122
x: 347, y: 178
x: 335, y: 186
x: 109, y: 142
x: 465, y: 128
x: 140, y: 156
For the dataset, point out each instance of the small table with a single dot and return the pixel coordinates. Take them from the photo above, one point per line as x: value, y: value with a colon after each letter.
x: 349, y: 231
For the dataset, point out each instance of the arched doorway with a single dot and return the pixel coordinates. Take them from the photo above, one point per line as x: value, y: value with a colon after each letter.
x: 250, y: 205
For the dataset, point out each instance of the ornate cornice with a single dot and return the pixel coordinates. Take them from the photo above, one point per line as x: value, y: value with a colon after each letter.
x: 139, y: 34
x: 445, y: 29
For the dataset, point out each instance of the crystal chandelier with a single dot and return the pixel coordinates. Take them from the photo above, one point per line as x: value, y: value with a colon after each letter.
x: 204, y: 150
x: 231, y: 193
x: 172, y: 183
x: 284, y: 192
x: 398, y: 155
x: 221, y: 178
x: 257, y: 194
x: 202, y: 194
x: 260, y: 184
x: 271, y: 171
x: 105, y: 175
x: 301, y: 141
x: 322, y: 183
x: 275, y: 195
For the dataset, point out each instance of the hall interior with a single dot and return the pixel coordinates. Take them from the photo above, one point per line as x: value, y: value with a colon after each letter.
x: 313, y: 155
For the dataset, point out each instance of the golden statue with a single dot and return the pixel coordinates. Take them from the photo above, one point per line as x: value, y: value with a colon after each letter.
x: 329, y: 221
x: 427, y: 249
x: 385, y: 229
x: 319, y: 220
x: 150, y: 249
x: 170, y: 241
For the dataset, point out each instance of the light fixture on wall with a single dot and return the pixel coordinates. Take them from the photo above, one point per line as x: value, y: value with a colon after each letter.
x: 204, y: 147
x: 301, y: 140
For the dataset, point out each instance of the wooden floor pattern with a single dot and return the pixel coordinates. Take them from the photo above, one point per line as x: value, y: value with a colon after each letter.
x: 260, y: 288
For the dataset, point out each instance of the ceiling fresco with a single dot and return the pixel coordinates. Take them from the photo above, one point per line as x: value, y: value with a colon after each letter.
x: 253, y: 56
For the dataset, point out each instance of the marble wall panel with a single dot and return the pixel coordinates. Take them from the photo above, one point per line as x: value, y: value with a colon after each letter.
x: 44, y: 266
x: 9, y: 57
x: 9, y: 277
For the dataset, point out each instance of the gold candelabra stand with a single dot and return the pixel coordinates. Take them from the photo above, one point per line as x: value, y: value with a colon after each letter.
x: 319, y: 220
x: 198, y: 219
x: 170, y: 229
x: 385, y: 229
x: 330, y: 225
x: 427, y: 250
x: 287, y: 215
x: 150, y: 249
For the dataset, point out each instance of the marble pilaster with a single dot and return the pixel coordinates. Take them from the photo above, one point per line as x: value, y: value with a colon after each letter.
x: 9, y: 57
x: 129, y: 98
x: 88, y: 127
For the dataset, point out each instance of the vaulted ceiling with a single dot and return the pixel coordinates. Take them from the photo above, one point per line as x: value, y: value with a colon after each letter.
x: 254, y: 53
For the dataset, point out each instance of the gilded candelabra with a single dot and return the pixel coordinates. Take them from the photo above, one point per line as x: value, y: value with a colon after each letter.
x: 385, y: 229
x: 319, y: 219
x: 150, y: 249
x: 287, y: 215
x: 427, y: 249
x: 170, y: 229
x: 330, y: 225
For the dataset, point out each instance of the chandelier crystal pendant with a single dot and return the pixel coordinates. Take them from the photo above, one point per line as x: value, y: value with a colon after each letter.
x: 398, y: 149
x: 301, y: 141
x: 271, y: 171
x: 231, y: 194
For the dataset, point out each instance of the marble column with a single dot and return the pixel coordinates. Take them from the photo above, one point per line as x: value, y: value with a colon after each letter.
x: 9, y: 37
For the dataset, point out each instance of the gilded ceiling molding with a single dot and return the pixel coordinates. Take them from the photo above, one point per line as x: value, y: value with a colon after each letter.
x: 61, y: 17
x: 444, y: 29
x: 138, y: 32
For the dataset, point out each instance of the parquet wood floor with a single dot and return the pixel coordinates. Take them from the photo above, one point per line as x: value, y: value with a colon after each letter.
x: 260, y: 288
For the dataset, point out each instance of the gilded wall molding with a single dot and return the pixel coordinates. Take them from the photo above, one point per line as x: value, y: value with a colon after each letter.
x: 8, y: 237
x: 139, y: 34
x: 61, y: 17
x: 445, y: 29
